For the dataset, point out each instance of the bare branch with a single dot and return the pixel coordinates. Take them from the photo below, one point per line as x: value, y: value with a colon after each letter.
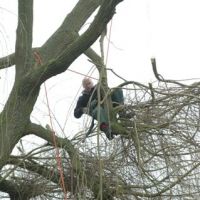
x: 62, y: 62
x: 159, y: 77
x: 23, y: 46
x: 7, y: 61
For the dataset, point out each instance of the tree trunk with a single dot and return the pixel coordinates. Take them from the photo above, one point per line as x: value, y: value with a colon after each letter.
x: 15, y: 118
x: 55, y: 56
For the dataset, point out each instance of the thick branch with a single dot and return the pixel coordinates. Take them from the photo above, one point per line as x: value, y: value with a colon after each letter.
x: 93, y: 181
x: 79, y: 15
x: 48, y: 136
x: 94, y: 58
x: 80, y: 45
x: 23, y: 47
x: 60, y: 142
x: 48, y: 173
x: 7, y: 61
x: 72, y: 24
x: 58, y: 41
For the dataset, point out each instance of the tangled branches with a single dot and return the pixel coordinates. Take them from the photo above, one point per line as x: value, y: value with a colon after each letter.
x: 159, y: 156
x: 154, y: 156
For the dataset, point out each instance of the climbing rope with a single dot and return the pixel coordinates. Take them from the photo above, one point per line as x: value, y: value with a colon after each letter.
x: 82, y: 74
x: 98, y: 112
x: 108, y: 46
x: 58, y: 157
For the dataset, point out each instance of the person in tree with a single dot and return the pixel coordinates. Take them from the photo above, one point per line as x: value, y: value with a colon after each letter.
x: 88, y: 103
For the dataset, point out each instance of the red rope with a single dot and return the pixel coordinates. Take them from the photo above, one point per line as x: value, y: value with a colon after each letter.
x: 58, y: 157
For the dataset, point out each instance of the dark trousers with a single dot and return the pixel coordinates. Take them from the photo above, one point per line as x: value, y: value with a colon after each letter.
x: 117, y: 99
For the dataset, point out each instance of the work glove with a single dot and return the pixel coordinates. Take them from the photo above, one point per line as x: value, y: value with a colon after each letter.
x: 85, y: 110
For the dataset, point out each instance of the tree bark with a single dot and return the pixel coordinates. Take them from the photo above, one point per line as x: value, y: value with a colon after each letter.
x: 16, y: 113
x: 55, y: 56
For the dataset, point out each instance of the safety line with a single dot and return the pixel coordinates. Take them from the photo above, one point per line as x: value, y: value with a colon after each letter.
x: 58, y: 157
x: 82, y: 74
x: 98, y: 143
x: 109, y: 36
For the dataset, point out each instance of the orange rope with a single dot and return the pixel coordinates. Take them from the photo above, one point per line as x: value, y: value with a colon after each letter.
x: 58, y: 157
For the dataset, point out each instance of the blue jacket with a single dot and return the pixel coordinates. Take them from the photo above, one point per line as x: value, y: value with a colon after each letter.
x: 84, y: 100
x: 87, y: 98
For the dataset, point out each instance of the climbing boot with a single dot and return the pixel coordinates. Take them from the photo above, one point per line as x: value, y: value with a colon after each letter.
x: 105, y: 128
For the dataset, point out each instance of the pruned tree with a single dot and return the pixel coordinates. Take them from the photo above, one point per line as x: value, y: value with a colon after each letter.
x: 156, y: 152
x: 33, y: 66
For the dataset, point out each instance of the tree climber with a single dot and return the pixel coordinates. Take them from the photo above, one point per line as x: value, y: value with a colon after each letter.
x: 88, y: 103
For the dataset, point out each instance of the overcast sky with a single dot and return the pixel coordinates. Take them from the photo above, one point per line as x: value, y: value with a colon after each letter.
x: 165, y: 29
